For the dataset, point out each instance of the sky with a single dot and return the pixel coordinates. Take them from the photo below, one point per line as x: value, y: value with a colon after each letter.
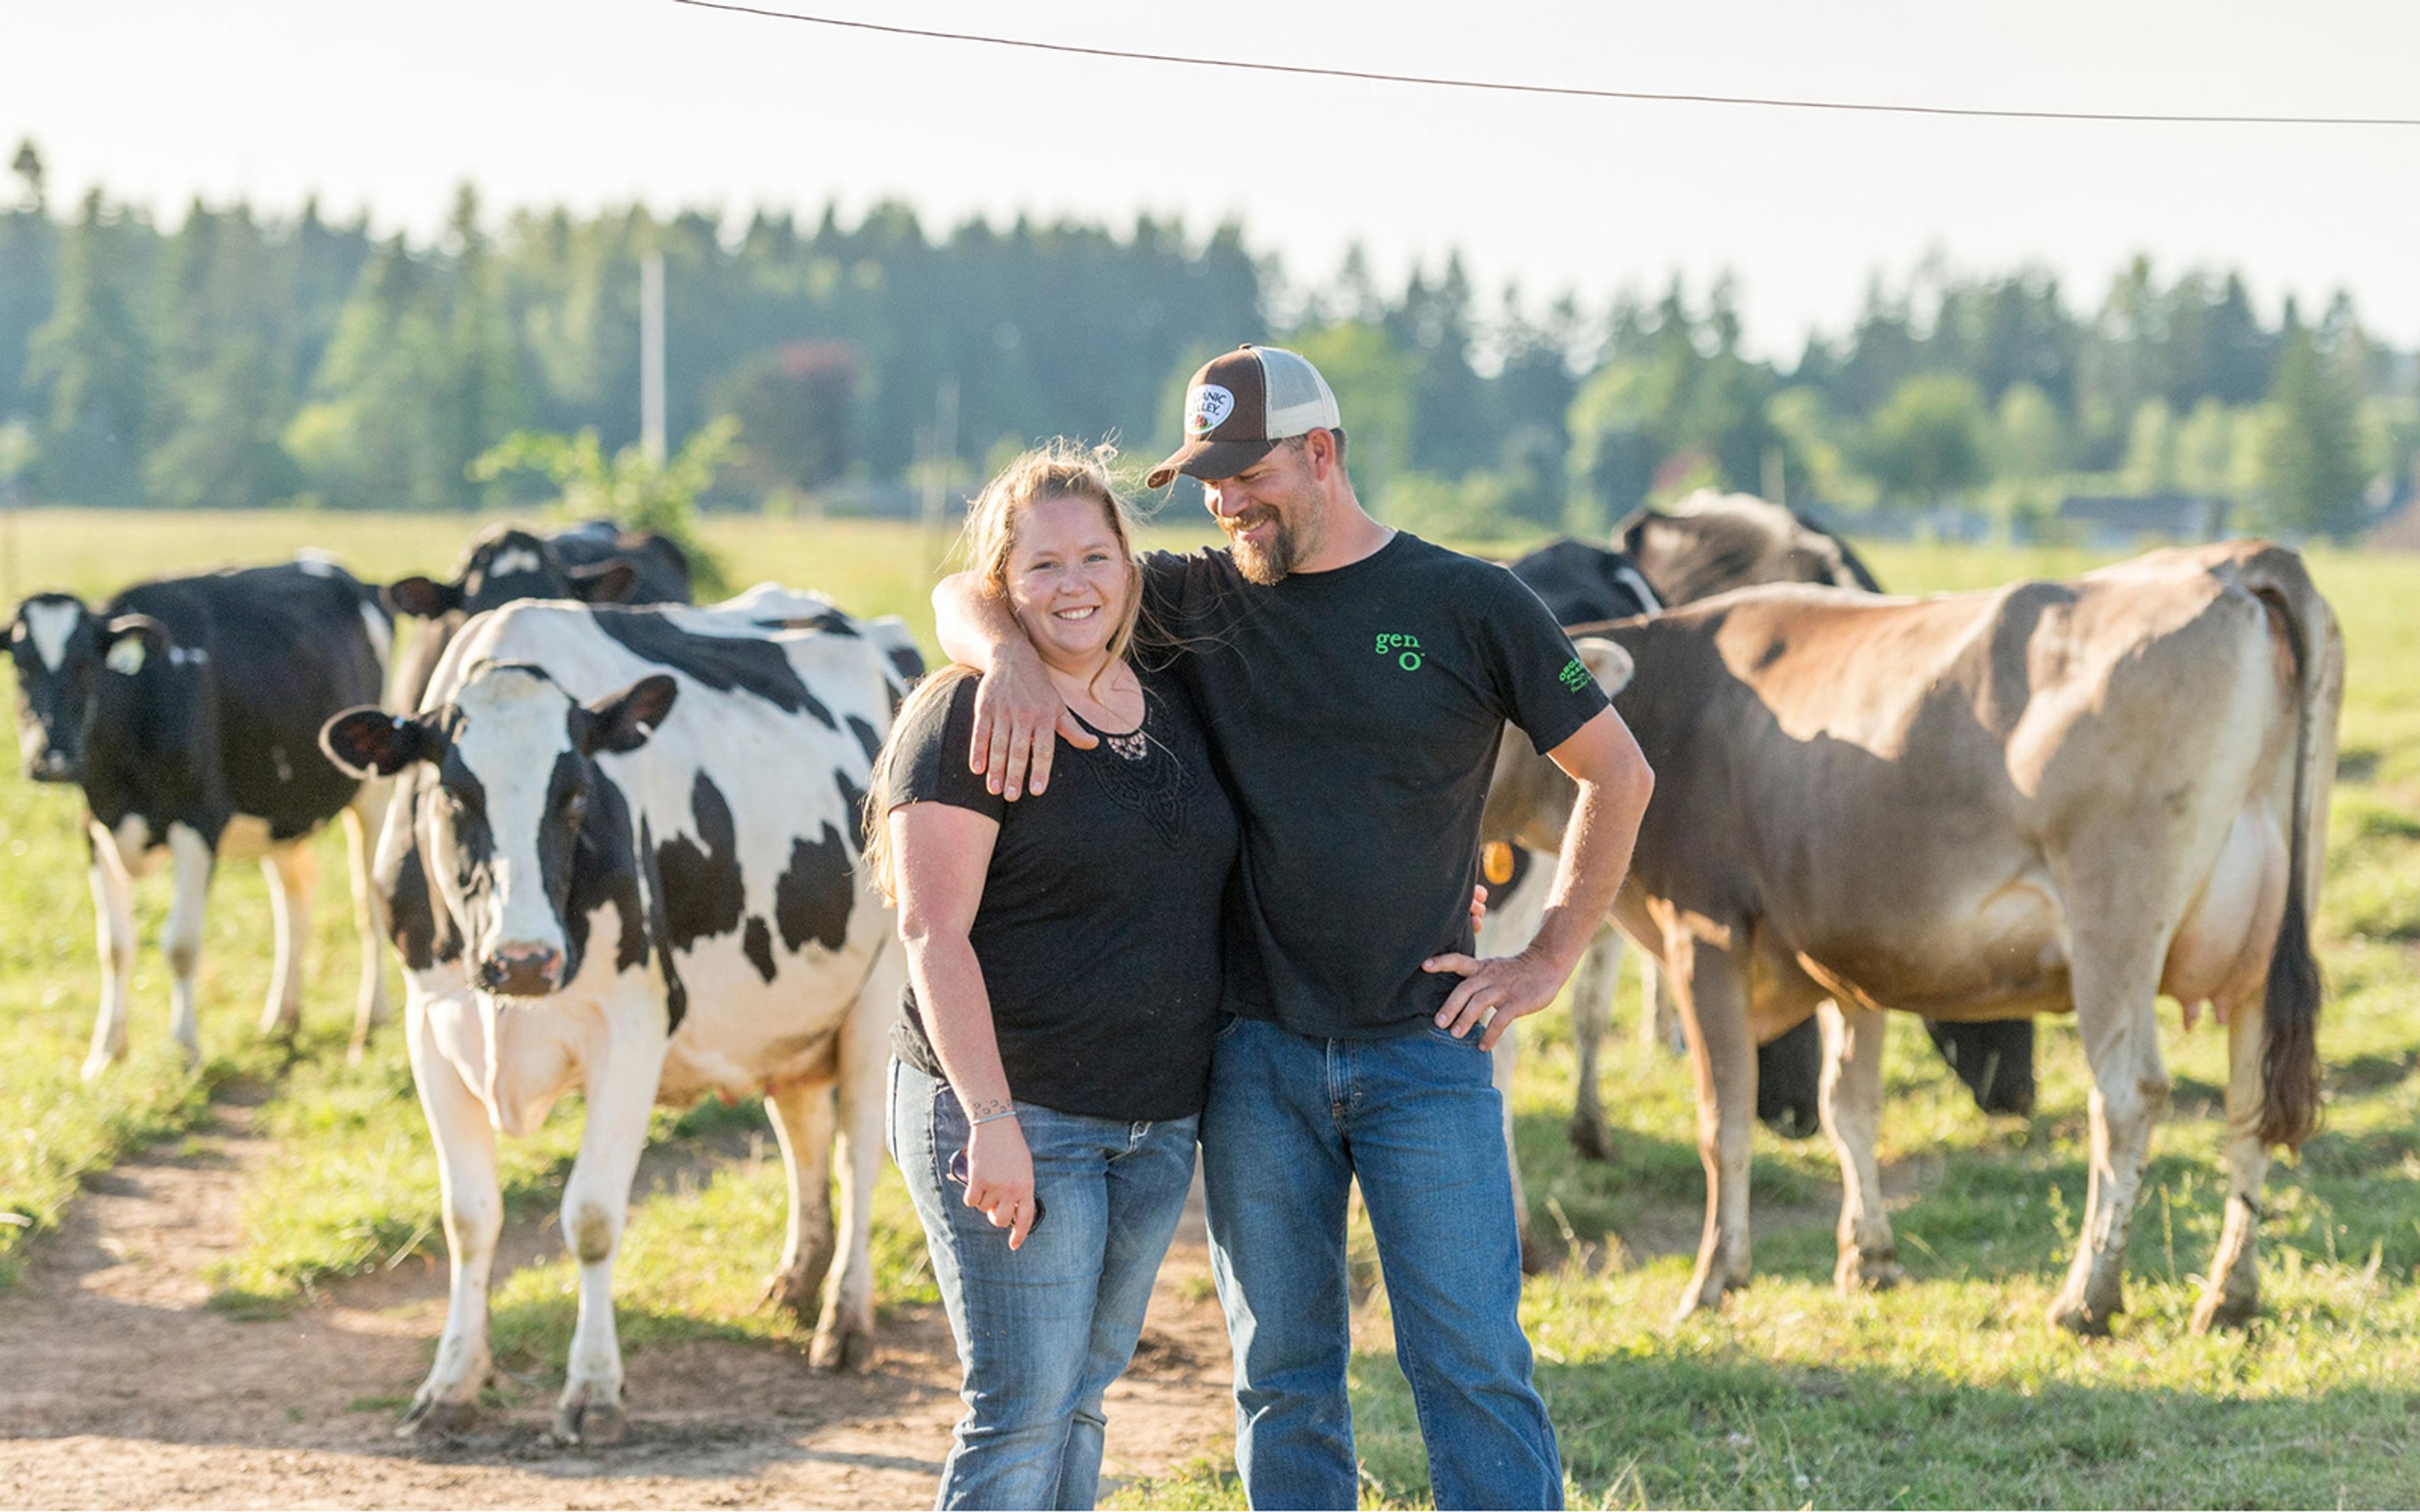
x: 387, y: 108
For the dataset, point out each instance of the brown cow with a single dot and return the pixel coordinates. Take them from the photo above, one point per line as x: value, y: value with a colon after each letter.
x: 2051, y: 796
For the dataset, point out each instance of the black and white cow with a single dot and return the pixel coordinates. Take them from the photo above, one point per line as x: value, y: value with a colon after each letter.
x: 189, y: 711
x: 595, y: 561
x: 623, y: 860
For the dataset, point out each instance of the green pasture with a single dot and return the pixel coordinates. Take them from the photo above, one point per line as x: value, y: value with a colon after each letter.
x: 1948, y: 1392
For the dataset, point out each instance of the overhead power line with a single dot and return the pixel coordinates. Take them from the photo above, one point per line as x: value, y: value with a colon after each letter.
x: 1564, y: 91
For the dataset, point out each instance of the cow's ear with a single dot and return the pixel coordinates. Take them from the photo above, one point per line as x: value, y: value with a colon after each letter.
x: 605, y: 583
x: 128, y: 641
x: 623, y: 721
x: 370, y: 742
x: 423, y: 598
x: 1608, y: 661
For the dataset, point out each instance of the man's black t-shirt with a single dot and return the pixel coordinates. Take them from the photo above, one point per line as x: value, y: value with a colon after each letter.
x: 1354, y: 714
x: 1099, y: 933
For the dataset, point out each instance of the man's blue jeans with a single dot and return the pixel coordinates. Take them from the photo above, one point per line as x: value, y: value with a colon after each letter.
x: 1042, y: 1330
x: 1290, y: 1123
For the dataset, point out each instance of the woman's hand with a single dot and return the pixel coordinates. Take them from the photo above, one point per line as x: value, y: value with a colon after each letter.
x: 999, y: 1178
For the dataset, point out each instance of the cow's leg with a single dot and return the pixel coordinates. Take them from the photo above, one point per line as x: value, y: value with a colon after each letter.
x: 362, y: 820
x: 620, y: 1085
x: 113, y: 913
x: 292, y: 872
x: 1852, y: 1106
x: 473, y: 1209
x: 1712, y: 992
x: 1591, y: 1002
x: 2114, y: 1002
x: 192, y: 859
x: 1659, y: 1017
x: 802, y: 1125
x: 845, y: 1336
x: 1511, y: 925
x: 2232, y: 1295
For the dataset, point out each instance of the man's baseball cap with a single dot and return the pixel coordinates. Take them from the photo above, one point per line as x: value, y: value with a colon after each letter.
x: 1240, y: 404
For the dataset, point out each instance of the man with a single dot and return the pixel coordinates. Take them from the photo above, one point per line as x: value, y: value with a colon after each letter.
x: 1355, y: 681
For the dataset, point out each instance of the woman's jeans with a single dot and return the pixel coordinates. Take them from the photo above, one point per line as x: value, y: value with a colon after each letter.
x: 1043, y: 1330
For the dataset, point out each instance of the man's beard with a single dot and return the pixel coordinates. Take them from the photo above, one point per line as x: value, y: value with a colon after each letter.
x: 1266, y: 562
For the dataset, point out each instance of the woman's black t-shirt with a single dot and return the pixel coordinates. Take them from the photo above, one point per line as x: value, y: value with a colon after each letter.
x: 1099, y: 933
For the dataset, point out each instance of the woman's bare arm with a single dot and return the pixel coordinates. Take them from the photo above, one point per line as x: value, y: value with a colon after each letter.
x: 943, y: 852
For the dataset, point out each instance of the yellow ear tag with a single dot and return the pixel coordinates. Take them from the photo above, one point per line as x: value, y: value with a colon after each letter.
x: 125, y: 656
x: 1496, y: 863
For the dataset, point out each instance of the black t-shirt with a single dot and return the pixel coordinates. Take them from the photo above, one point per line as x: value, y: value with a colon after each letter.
x: 1354, y: 714
x: 1099, y: 933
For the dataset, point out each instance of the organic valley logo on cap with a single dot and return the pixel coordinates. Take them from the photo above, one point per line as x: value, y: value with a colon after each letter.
x: 1206, y: 407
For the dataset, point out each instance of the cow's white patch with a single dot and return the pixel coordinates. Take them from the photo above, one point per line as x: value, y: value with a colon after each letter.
x: 520, y: 558
x: 134, y: 836
x: 50, y: 624
x: 1208, y: 408
x: 187, y: 657
x: 381, y: 636
x: 127, y: 654
x: 316, y: 563
x: 513, y: 728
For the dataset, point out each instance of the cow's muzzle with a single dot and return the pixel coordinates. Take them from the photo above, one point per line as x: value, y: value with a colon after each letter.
x: 522, y: 970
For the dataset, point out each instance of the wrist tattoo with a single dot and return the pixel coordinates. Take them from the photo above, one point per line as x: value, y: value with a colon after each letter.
x: 990, y: 1109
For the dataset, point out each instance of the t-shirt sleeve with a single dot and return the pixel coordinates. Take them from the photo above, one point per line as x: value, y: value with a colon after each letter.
x: 1541, y: 683
x: 928, y: 753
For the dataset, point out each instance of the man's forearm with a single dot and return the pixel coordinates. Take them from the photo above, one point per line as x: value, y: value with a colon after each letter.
x: 1597, y: 844
x: 972, y: 624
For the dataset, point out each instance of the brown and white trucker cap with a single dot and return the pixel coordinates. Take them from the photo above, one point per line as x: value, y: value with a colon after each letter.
x: 1240, y: 404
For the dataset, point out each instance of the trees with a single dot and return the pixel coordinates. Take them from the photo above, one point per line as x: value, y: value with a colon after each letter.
x: 1927, y: 443
x: 2311, y: 474
x: 91, y: 364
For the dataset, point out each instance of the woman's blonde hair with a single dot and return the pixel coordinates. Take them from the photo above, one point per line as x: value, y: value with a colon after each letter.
x: 1059, y: 468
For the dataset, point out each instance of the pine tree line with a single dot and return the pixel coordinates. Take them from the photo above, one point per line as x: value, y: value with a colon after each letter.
x: 245, y: 360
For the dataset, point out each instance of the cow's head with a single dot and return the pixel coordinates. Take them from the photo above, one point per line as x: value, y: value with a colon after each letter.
x: 59, y: 648
x: 511, y: 802
x: 506, y: 564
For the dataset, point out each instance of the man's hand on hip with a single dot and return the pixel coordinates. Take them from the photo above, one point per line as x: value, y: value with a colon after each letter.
x: 1495, y: 991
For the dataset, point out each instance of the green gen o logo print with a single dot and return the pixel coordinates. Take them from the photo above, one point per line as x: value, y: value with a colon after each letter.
x: 1407, y: 649
x: 1409, y: 661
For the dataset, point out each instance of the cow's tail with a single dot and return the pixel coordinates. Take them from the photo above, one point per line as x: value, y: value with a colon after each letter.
x: 2290, y: 1054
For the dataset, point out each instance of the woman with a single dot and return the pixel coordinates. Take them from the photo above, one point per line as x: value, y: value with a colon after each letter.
x: 1053, y: 1046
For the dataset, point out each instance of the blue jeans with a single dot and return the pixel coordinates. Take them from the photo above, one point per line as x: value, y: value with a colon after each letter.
x: 1292, y: 1122
x: 1044, y: 1330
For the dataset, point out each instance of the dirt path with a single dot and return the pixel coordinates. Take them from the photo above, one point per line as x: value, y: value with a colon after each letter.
x: 119, y: 1386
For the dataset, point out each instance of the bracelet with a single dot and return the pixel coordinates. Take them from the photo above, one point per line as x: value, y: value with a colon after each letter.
x: 992, y: 1118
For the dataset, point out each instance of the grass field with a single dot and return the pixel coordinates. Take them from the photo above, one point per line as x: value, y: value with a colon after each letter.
x: 1948, y: 1392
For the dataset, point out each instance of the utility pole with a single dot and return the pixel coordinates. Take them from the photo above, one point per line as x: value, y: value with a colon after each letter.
x: 936, y: 466
x: 651, y: 354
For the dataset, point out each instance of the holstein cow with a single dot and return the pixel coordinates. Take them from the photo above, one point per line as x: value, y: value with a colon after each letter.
x: 623, y: 860
x: 1710, y: 543
x: 188, y: 710
x: 594, y: 561
x: 2052, y: 796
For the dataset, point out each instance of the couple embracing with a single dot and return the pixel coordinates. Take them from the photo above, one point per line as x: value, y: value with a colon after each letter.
x: 1184, y: 849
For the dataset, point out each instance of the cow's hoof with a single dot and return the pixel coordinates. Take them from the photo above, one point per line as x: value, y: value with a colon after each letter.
x: 590, y: 1424
x: 2080, y: 1318
x: 438, y: 1418
x: 842, y: 1349
x: 97, y: 1064
x: 2218, y: 1310
x: 1860, y: 1272
x: 1590, y: 1140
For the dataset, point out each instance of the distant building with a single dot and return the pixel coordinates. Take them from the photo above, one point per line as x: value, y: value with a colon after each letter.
x: 2115, y: 521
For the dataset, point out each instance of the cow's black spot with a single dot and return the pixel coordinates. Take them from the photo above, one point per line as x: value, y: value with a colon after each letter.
x: 757, y: 941
x: 702, y: 882
x: 726, y: 663
x: 906, y: 662
x: 604, y: 869
x: 852, y: 796
x: 675, y: 991
x: 830, y: 621
x: 813, y: 899
x: 866, y: 735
